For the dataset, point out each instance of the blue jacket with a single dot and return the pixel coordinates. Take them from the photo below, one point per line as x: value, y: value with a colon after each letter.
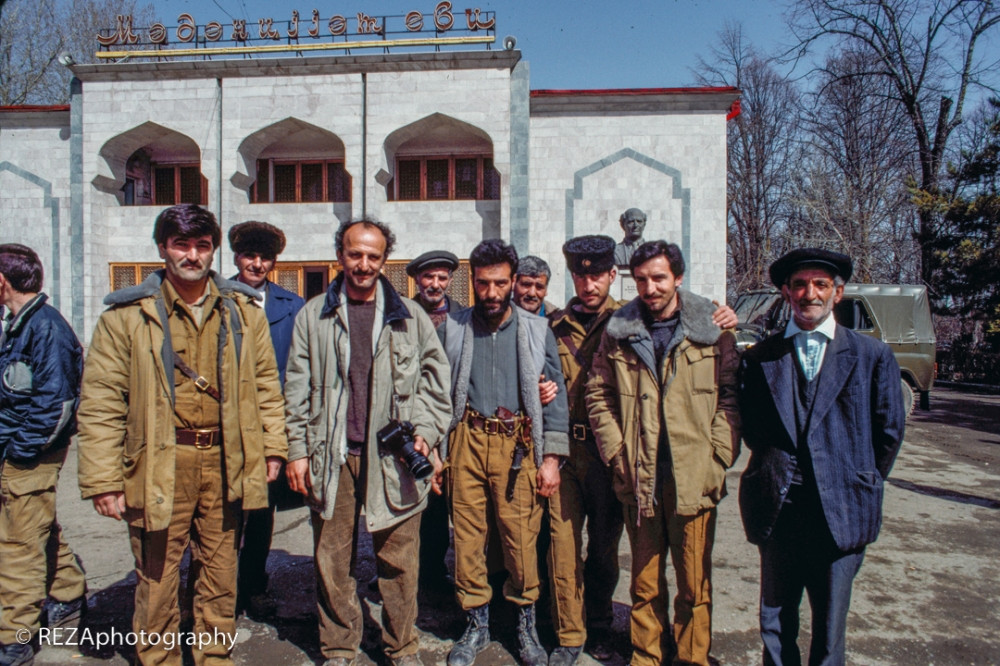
x: 281, y: 306
x: 854, y: 434
x: 41, y: 362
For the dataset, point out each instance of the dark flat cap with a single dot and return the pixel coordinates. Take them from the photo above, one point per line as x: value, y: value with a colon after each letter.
x: 835, y: 262
x: 432, y: 259
x: 589, y: 255
x: 256, y: 237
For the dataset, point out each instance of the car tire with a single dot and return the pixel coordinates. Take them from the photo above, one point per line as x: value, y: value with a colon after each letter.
x: 908, y: 397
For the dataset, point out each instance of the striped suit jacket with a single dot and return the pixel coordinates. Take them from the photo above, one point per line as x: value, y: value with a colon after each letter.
x: 854, y: 433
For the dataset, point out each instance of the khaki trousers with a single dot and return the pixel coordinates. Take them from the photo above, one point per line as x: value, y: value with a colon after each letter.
x: 204, y: 519
x: 396, y: 559
x: 582, y: 589
x: 478, y: 474
x: 35, y: 561
x: 690, y: 540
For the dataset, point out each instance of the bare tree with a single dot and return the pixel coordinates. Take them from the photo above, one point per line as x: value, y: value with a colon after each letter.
x: 853, y: 191
x: 926, y: 50
x: 33, y: 34
x: 761, y: 153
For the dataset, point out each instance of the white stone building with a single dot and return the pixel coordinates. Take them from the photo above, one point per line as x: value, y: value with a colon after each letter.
x: 448, y: 148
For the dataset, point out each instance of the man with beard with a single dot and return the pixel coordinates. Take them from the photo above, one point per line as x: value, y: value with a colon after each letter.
x: 661, y: 397
x: 256, y: 246
x: 504, y: 447
x: 531, y: 286
x: 823, y: 418
x: 181, y: 427
x: 583, y: 588
x: 364, y: 361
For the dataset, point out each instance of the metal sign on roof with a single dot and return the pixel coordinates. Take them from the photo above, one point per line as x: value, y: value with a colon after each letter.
x: 445, y: 26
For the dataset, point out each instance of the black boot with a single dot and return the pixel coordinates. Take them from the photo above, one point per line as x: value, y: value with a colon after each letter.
x: 474, y: 640
x: 532, y: 653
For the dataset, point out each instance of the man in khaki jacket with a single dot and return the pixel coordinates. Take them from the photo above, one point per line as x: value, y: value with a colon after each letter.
x: 181, y: 427
x: 662, y: 359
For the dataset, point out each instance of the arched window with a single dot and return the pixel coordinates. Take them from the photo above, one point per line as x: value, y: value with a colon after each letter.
x: 156, y: 166
x: 296, y: 162
x: 439, y: 157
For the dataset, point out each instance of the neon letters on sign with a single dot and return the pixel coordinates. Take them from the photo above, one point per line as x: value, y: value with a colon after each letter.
x: 298, y: 33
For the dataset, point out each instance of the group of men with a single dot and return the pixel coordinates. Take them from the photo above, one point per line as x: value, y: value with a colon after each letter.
x: 602, y: 416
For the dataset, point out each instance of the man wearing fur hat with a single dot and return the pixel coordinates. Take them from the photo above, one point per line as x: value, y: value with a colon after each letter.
x: 256, y: 246
x: 662, y: 403
x: 583, y: 588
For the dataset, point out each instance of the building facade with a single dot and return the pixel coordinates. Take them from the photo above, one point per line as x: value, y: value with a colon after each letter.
x: 449, y: 148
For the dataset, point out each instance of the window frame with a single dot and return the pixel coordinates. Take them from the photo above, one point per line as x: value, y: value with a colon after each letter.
x: 326, y: 197
x: 424, y: 158
x: 176, y: 167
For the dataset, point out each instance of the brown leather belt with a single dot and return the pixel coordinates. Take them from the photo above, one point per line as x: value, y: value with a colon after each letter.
x: 200, y: 438
x: 492, y: 425
x: 581, y: 432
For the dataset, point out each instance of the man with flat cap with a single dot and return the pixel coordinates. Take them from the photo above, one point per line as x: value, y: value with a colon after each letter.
x: 256, y: 246
x: 432, y: 272
x: 823, y: 418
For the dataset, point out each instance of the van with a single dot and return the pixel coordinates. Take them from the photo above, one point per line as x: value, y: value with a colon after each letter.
x: 897, y: 314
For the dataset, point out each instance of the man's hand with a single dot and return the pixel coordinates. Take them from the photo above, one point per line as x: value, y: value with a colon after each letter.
x: 110, y: 504
x: 420, y: 446
x: 547, y: 390
x: 437, y: 479
x: 548, y: 475
x: 273, y: 468
x: 297, y: 472
x: 724, y: 316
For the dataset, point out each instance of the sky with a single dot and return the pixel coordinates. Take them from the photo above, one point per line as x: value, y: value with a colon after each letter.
x: 581, y: 44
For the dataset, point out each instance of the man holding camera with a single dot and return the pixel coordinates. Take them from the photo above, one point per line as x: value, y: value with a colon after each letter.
x: 365, y: 365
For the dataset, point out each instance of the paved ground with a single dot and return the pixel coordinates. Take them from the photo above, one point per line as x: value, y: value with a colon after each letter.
x: 928, y: 593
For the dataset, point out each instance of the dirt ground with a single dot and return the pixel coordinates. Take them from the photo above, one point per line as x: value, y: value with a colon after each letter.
x: 928, y: 593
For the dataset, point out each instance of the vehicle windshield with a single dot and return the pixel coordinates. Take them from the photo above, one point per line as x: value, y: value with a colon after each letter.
x: 752, y: 308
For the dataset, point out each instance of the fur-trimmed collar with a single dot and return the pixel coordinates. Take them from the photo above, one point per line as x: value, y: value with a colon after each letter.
x: 152, y: 284
x: 696, y: 320
x: 395, y: 309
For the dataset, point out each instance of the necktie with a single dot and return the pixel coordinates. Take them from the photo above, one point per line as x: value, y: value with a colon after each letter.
x: 810, y: 354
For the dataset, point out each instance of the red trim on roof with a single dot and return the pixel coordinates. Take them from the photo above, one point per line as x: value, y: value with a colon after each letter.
x: 634, y: 91
x: 36, y: 107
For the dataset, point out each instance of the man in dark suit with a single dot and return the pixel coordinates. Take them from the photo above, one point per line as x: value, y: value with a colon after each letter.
x: 823, y: 418
x: 256, y: 246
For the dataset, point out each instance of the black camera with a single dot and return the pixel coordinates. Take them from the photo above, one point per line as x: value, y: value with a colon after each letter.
x: 396, y: 438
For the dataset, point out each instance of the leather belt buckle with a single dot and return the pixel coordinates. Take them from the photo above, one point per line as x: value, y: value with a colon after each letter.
x: 200, y: 438
x: 491, y: 426
x: 202, y: 384
x: 579, y: 432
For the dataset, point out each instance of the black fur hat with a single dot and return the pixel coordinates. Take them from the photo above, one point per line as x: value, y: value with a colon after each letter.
x: 589, y: 255
x: 261, y: 238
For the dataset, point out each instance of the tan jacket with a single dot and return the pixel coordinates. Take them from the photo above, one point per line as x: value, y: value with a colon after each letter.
x: 577, y: 347
x: 693, y: 394
x: 126, y: 416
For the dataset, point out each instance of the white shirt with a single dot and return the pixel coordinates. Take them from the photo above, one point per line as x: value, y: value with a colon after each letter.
x: 810, y: 346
